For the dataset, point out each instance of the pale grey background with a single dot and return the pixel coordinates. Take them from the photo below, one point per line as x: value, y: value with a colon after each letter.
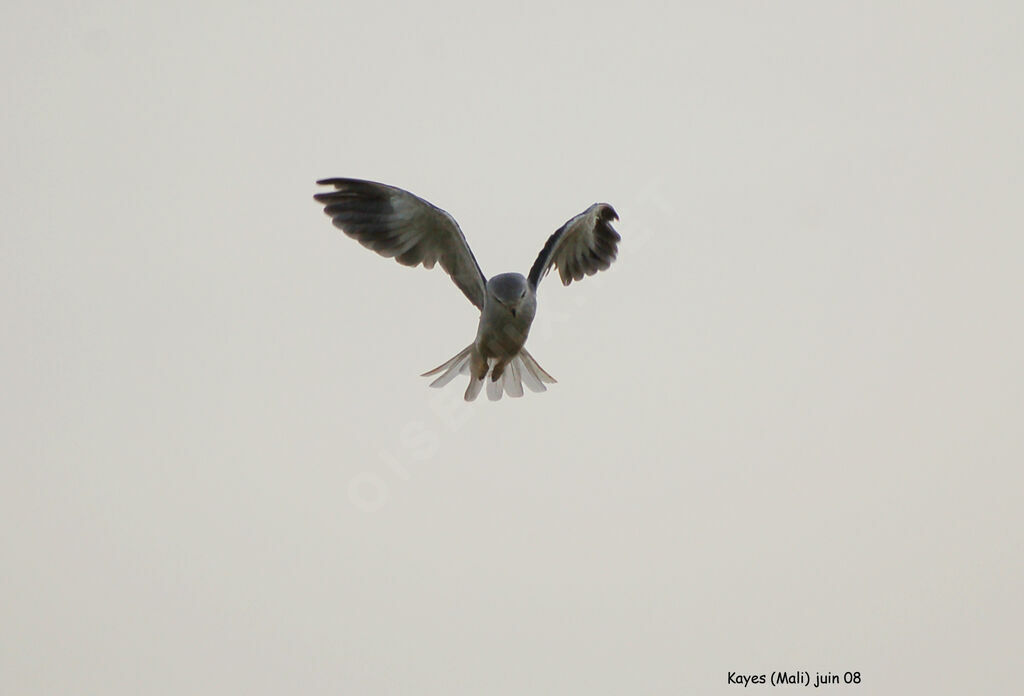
x: 786, y: 432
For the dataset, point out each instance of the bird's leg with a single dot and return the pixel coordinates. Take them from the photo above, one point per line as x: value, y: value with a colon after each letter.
x: 498, y: 370
x: 478, y: 365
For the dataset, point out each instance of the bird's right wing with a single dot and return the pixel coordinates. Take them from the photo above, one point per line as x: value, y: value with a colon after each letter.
x: 396, y: 224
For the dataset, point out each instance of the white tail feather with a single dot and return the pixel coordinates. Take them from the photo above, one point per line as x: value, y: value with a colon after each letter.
x: 521, y: 369
x: 473, y: 388
x: 512, y: 380
x: 533, y: 374
x: 458, y: 365
x: 493, y: 387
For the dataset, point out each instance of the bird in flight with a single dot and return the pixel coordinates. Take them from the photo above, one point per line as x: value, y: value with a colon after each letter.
x: 396, y: 224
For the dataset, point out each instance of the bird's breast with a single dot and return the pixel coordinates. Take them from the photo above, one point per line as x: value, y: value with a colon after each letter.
x: 501, y: 333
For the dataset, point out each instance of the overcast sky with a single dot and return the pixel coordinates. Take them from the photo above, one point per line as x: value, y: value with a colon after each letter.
x: 786, y: 432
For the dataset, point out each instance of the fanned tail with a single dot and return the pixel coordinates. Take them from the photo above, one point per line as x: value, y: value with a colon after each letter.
x: 522, y: 369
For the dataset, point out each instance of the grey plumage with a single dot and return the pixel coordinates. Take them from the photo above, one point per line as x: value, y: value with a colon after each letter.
x: 399, y: 225
x: 396, y: 224
x: 583, y: 246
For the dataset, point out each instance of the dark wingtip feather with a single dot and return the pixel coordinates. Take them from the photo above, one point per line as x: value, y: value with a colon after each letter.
x: 339, y: 182
x: 608, y: 213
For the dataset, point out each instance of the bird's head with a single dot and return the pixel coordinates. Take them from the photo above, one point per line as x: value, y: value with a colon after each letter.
x: 510, y: 289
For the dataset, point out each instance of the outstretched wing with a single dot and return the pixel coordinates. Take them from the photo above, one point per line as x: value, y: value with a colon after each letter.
x: 396, y: 224
x: 583, y: 246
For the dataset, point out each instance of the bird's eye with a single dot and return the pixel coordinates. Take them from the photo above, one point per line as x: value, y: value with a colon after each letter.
x: 522, y: 294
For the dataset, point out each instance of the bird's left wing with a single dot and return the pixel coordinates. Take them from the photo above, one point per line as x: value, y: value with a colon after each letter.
x: 583, y: 246
x: 396, y: 224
